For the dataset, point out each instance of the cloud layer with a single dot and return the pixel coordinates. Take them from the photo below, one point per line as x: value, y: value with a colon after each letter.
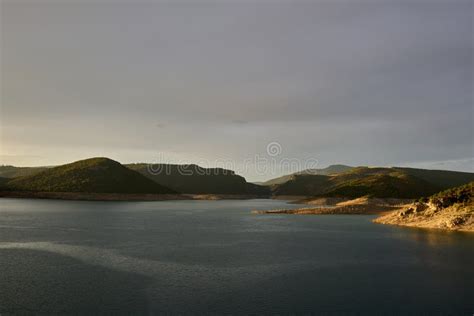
x: 378, y: 82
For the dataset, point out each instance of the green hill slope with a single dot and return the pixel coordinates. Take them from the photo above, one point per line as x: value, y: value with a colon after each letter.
x: 3, y: 182
x: 95, y: 175
x: 310, y: 185
x: 374, y: 182
x: 15, y: 172
x: 443, y: 178
x: 331, y: 170
x: 194, y: 179
x: 383, y: 186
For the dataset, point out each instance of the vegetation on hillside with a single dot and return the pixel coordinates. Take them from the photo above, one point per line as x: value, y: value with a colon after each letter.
x: 194, y: 179
x: 102, y: 175
x: 308, y: 185
x: 3, y: 182
x: 443, y: 178
x: 379, y: 182
x: 331, y: 170
x: 463, y: 194
x: 98, y: 175
x: 15, y: 172
x: 373, y: 182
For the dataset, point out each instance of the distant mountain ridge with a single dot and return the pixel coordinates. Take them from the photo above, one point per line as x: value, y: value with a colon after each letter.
x: 103, y: 175
x: 375, y: 182
x: 106, y: 175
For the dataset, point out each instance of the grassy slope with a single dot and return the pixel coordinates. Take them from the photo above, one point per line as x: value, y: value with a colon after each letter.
x: 15, y: 172
x: 3, y: 182
x: 197, y: 180
x: 380, y: 182
x: 99, y: 175
x: 333, y: 169
x: 303, y: 185
x: 374, y: 182
x: 444, y: 179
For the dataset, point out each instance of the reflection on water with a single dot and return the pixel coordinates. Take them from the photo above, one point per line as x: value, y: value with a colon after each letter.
x: 215, y: 257
x: 436, y: 238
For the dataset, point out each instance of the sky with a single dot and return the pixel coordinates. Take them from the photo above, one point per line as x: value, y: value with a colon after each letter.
x: 239, y: 84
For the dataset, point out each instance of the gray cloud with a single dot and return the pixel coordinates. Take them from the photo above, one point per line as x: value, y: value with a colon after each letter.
x: 365, y: 82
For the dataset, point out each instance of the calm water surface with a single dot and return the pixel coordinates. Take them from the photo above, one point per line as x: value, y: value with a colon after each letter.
x: 215, y: 257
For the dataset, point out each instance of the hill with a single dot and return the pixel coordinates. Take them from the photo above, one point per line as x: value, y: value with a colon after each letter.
x: 102, y: 175
x: 308, y: 185
x: 95, y: 175
x: 3, y: 182
x: 194, y: 179
x: 443, y: 178
x: 15, y: 172
x: 452, y: 209
x: 331, y: 170
x: 373, y: 182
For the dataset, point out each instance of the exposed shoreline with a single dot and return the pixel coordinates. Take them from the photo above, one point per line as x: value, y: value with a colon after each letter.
x: 81, y: 196
x: 331, y: 206
x: 459, y: 217
x: 398, y: 212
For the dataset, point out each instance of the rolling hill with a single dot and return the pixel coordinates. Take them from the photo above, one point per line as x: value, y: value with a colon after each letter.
x: 194, y: 179
x: 443, y: 178
x: 3, y: 182
x: 332, y: 169
x: 95, y: 175
x: 102, y: 175
x: 374, y: 182
x: 15, y: 172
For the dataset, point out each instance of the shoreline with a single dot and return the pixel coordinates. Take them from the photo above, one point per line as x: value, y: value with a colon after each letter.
x: 332, y: 210
x: 458, y: 217
x: 117, y: 197
x: 396, y: 212
x: 334, y: 206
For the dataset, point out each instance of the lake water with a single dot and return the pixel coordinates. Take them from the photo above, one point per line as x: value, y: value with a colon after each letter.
x: 215, y: 257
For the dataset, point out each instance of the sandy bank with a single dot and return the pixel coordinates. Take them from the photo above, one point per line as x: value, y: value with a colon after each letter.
x: 322, y: 206
x: 458, y: 217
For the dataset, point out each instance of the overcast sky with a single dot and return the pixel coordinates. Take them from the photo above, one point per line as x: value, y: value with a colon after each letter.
x: 361, y: 83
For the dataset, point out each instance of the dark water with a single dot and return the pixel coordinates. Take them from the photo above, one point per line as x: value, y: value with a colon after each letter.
x: 215, y: 257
